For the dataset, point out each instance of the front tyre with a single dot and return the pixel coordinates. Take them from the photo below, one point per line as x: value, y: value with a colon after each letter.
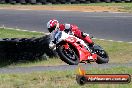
x: 68, y: 55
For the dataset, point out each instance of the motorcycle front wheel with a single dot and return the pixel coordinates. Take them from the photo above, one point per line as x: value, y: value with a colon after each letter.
x: 68, y: 55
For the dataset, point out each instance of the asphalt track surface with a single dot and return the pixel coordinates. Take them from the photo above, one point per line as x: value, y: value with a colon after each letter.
x: 111, y: 26
x: 61, y: 68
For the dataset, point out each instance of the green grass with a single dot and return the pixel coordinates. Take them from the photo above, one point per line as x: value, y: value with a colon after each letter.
x: 44, y: 62
x: 59, y: 79
x: 118, y: 52
x: 6, y: 33
x: 123, y: 7
x: 99, y: 4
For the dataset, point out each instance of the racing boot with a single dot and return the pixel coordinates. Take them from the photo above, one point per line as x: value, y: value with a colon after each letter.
x: 91, y: 46
x: 88, y: 41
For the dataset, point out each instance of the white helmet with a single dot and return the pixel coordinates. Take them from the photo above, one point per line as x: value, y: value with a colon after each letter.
x: 51, y: 25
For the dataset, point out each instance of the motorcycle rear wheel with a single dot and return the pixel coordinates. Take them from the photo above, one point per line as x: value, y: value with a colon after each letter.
x: 102, y: 57
x: 68, y: 55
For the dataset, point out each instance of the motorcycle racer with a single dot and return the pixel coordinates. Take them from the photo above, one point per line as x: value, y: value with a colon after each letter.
x: 53, y: 24
x: 70, y: 44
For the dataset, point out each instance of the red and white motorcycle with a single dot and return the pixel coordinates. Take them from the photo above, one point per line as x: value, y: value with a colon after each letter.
x: 73, y: 50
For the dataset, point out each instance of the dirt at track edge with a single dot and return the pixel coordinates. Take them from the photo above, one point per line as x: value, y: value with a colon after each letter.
x: 66, y: 8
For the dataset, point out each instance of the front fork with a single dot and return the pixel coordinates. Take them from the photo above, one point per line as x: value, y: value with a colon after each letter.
x: 66, y: 46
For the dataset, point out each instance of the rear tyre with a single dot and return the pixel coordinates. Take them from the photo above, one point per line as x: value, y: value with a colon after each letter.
x: 68, y: 2
x: 117, y: 1
x: 43, y: 1
x: 82, y: 1
x: 107, y: 1
x: 72, y: 1
x: 102, y: 56
x: 12, y: 2
x: 22, y: 1
x: 87, y: 2
x: 33, y: 1
x: 62, y: 1
x: 45, y: 42
x: 68, y: 55
x: 2, y: 1
x: 127, y: 1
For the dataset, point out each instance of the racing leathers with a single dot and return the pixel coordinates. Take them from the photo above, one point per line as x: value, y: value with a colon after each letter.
x: 74, y: 30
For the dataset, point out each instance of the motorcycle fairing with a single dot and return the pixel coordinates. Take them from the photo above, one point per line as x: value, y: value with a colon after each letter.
x: 83, y: 53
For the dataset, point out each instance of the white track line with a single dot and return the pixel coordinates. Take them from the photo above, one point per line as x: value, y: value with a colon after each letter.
x: 49, y: 33
x: 112, y: 40
x: 20, y: 29
x: 102, y: 39
x: 130, y: 42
